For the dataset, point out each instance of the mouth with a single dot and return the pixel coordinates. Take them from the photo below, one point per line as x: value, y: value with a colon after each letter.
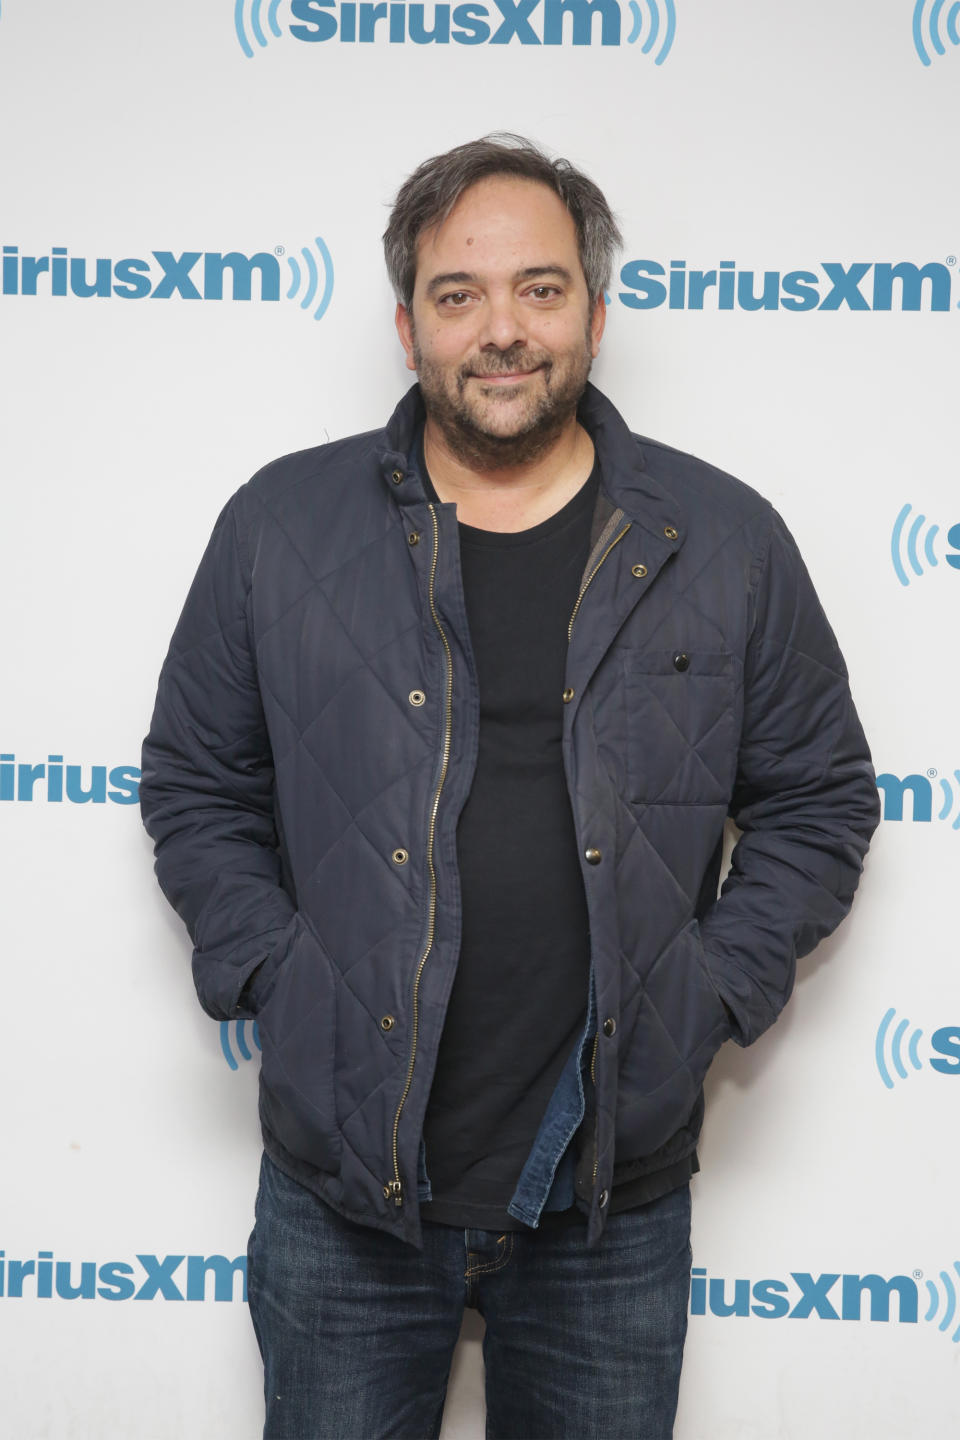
x: 511, y: 377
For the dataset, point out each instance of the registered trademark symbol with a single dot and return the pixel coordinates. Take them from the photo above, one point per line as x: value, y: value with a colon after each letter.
x: 951, y: 259
x: 932, y: 772
x: 918, y: 1274
x: 278, y: 250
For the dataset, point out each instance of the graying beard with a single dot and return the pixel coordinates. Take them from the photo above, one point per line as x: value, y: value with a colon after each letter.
x: 480, y: 451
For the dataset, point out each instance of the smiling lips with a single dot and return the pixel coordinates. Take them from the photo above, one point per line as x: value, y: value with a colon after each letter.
x: 499, y: 378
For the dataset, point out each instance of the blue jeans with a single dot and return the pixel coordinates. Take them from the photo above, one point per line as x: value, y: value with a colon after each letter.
x: 357, y: 1329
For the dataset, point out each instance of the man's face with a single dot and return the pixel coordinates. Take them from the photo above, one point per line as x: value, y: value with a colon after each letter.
x: 501, y: 332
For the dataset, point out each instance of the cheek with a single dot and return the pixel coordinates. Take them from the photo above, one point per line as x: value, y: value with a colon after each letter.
x: 442, y: 349
x: 556, y: 333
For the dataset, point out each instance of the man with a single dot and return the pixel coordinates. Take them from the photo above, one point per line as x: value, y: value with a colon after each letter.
x: 438, y: 776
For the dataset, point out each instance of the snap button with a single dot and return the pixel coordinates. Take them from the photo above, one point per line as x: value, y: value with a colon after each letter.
x: 416, y: 697
x: 567, y: 695
x: 604, y: 1197
x: 399, y: 856
x: 387, y: 1022
x: 639, y: 571
x: 414, y: 537
x: 670, y: 532
x: 609, y: 1026
x: 681, y: 661
x: 397, y: 476
x: 592, y: 856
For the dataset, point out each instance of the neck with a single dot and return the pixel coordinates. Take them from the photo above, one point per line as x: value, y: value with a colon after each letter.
x: 516, y: 497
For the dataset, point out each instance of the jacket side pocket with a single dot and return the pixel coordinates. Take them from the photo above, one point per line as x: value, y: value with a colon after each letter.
x: 297, y: 1036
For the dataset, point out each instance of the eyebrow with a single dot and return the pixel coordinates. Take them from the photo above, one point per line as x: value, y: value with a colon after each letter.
x: 467, y: 277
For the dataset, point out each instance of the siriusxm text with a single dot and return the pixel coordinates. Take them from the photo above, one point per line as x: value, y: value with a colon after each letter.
x: 145, y: 1277
x: 527, y: 22
x: 829, y: 1296
x: 946, y: 1043
x: 55, y: 781
x: 833, y: 285
x: 189, y: 275
x: 895, y: 788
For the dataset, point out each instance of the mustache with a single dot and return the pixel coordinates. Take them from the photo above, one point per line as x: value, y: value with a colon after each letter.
x: 506, y: 362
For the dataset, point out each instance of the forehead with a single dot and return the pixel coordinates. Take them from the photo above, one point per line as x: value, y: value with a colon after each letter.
x: 500, y: 223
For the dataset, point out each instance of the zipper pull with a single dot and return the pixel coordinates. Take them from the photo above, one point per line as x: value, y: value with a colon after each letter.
x: 394, y: 1188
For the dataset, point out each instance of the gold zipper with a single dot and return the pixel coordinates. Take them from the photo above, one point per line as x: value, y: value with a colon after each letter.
x: 596, y: 1120
x: 583, y: 588
x: 394, y: 1188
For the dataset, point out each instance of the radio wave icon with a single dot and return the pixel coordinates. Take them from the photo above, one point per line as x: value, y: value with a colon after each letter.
x: 239, y: 1028
x: 936, y: 25
x: 308, y: 278
x: 248, y: 13
x: 896, y: 1048
x: 948, y: 800
x: 909, y: 546
x: 949, y: 1302
x: 667, y: 21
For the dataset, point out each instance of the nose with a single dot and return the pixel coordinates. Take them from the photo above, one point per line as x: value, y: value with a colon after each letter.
x: 503, y: 321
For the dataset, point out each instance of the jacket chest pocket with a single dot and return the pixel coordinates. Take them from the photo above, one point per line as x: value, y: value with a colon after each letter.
x: 683, y: 725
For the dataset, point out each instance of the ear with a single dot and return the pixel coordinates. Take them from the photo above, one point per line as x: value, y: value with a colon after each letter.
x: 597, y: 322
x: 404, y: 326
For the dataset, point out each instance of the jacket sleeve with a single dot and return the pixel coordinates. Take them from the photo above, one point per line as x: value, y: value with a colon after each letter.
x: 805, y: 799
x: 207, y: 786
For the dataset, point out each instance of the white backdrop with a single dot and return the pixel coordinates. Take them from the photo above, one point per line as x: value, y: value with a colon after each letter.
x: 776, y: 139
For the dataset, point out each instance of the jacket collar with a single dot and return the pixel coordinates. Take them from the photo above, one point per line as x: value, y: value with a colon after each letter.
x: 623, y: 473
x: 627, y: 483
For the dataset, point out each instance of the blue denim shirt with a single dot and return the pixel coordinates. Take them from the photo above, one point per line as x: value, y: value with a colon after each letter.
x: 546, y: 1181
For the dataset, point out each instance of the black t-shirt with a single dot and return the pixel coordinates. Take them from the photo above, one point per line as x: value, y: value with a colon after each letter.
x: 519, y: 999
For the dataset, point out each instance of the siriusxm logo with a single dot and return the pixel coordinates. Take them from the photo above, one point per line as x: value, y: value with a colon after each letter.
x: 55, y: 782
x: 153, y: 1277
x: 238, y: 1028
x: 928, y: 17
x: 893, y: 788
x: 828, y: 1296
x: 478, y: 22
x: 189, y: 275
x: 905, y: 544
x: 831, y: 285
x: 945, y: 1044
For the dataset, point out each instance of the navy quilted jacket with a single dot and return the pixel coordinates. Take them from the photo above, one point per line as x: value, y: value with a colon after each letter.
x: 314, y: 740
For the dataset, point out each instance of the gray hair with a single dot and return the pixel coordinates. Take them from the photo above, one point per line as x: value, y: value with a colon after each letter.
x: 427, y: 197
